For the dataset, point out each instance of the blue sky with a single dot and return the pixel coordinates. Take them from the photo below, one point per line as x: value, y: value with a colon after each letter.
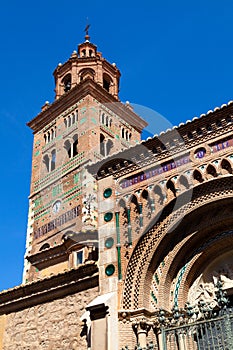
x: 175, y: 58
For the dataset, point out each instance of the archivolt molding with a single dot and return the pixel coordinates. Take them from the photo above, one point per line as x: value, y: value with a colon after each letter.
x: 189, y: 257
x: 139, y: 272
x: 201, y: 258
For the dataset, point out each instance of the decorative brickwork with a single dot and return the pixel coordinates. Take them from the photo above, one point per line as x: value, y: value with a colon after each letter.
x: 138, y: 271
x: 155, y: 214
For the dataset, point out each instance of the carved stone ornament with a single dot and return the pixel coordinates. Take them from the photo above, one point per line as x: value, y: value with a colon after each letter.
x: 204, y: 287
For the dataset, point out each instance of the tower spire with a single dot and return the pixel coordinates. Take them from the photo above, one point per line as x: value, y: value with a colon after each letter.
x: 87, y: 36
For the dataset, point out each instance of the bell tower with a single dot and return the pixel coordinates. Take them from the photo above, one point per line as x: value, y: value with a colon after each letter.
x: 85, y: 123
x: 87, y: 63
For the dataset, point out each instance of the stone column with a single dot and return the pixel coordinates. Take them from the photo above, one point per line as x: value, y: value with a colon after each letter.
x: 99, y: 329
x: 141, y: 327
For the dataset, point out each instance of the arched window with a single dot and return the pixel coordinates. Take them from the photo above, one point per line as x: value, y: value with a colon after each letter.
x: 209, y: 127
x: 53, y: 160
x: 219, y: 123
x: 86, y: 73
x: 197, y: 176
x: 109, y: 146
x: 106, y: 123
x: 190, y: 135
x: 103, y: 118
x: 211, y: 170
x: 170, y: 186
x: 46, y: 162
x: 67, y: 146
x: 199, y: 132
x: 102, y: 145
x: 123, y: 133
x: 66, y: 81
x: 76, y: 115
x: 184, y: 182
x: 225, y: 164
x: 229, y: 119
x: 158, y: 194
x: 72, y: 147
x: 69, y: 121
x: 106, y: 82
x: 75, y: 145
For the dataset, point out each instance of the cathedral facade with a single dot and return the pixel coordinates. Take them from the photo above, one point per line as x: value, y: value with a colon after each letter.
x: 122, y: 234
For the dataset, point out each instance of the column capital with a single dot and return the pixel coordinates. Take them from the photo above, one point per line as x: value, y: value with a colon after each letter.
x: 97, y: 311
x: 141, y: 325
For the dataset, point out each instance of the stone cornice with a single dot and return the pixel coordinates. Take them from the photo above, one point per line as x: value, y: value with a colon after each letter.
x: 151, y: 150
x: 86, y: 87
x: 48, y: 289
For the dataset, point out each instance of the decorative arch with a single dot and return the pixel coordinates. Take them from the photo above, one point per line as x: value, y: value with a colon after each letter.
x: 211, y: 171
x: 226, y: 166
x: 171, y: 190
x: 159, y: 195
x: 183, y: 182
x: 107, y: 81
x: 197, y: 176
x: 66, y: 82
x: 160, y: 234
x: 86, y: 73
x: 44, y: 246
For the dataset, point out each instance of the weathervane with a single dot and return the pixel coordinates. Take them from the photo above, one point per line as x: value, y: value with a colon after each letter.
x: 87, y: 37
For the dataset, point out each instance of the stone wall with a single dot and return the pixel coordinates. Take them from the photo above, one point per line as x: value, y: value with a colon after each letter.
x: 48, y: 326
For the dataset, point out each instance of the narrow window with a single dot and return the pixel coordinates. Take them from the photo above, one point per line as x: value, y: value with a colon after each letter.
x: 75, y: 145
x: 76, y: 115
x: 69, y: 121
x: 67, y: 146
x: 79, y: 257
x: 102, y: 145
x: 53, y: 160
x: 46, y: 162
x: 106, y: 82
x: 67, y: 82
x: 109, y: 146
